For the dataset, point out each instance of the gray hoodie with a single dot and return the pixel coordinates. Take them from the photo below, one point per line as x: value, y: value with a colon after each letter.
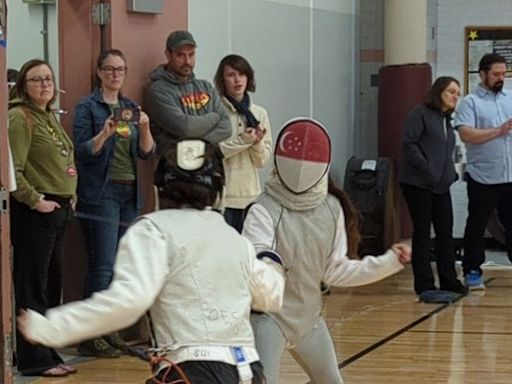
x: 185, y: 109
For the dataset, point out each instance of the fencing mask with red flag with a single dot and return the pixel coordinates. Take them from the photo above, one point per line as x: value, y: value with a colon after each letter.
x: 302, y: 154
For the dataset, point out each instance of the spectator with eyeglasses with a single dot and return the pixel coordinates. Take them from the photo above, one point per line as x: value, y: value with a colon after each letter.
x: 109, y: 193
x: 46, y: 178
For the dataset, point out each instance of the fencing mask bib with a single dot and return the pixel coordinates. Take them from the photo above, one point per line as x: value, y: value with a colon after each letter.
x: 302, y: 154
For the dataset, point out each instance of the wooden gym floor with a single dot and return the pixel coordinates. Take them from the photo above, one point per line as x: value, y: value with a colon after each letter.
x: 384, y: 335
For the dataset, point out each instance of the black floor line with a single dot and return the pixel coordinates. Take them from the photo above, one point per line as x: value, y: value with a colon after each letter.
x: 379, y: 343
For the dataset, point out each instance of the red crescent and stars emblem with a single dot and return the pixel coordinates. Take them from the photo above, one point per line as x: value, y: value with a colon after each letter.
x: 304, y: 140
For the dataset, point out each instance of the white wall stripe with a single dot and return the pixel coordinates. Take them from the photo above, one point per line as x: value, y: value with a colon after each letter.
x: 230, y: 28
x: 339, y: 6
x: 311, y: 50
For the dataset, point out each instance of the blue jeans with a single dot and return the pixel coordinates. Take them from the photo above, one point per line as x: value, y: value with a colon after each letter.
x: 103, y: 227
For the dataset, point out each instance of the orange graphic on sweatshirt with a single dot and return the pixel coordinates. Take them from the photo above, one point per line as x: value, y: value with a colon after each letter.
x: 196, y: 100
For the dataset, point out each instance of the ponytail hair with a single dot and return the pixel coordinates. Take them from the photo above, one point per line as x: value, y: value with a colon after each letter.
x: 352, y: 219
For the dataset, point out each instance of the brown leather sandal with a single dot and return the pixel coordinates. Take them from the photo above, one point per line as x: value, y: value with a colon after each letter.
x: 55, y: 372
x: 68, y: 368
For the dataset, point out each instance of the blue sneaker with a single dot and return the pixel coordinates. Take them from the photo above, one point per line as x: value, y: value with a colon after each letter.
x: 474, y: 281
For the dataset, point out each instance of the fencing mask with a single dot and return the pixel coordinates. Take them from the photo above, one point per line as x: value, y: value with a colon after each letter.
x: 302, y: 154
x: 191, y: 161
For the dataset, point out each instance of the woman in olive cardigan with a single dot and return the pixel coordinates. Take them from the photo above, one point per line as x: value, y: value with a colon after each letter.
x: 46, y: 179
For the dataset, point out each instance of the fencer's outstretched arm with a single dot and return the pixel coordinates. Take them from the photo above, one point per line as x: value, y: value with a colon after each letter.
x: 138, y: 279
x: 344, y: 272
x: 340, y: 271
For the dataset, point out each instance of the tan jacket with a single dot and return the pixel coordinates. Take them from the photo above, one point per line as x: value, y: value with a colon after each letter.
x: 242, y: 159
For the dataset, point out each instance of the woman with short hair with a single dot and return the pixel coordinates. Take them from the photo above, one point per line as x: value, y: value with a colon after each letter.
x: 250, y: 145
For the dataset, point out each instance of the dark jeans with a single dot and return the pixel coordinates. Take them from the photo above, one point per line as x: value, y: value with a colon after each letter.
x: 235, y: 218
x: 210, y: 372
x: 428, y: 208
x: 482, y: 199
x: 103, y: 226
x: 38, y: 243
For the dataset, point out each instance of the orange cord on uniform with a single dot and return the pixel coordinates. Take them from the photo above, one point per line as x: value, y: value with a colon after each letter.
x: 154, y: 360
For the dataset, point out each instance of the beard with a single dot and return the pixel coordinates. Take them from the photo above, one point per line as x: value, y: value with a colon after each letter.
x: 185, y: 69
x: 496, y: 87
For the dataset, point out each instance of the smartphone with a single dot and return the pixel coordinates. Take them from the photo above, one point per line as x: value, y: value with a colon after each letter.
x: 127, y: 114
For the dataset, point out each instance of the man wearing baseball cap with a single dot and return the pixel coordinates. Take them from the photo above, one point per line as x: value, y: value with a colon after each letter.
x: 179, y: 105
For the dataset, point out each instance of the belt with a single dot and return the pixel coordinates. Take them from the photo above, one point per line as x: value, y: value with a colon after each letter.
x: 63, y: 201
x: 241, y: 357
x: 117, y: 181
x: 210, y: 353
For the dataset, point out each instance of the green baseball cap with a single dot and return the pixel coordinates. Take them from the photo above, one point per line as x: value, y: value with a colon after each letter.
x: 178, y: 39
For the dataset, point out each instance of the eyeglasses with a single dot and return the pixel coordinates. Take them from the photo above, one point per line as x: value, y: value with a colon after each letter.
x: 108, y: 69
x: 41, y: 80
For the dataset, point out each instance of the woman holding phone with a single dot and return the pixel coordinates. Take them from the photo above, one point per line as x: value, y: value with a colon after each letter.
x: 109, y: 196
x: 250, y: 144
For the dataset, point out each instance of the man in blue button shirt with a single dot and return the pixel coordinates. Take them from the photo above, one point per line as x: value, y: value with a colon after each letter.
x: 484, y: 120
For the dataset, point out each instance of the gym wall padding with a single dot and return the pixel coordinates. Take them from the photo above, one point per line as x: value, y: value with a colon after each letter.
x: 401, y: 87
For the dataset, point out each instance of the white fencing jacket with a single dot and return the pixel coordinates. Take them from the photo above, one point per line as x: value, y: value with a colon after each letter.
x: 309, y: 234
x: 196, y: 275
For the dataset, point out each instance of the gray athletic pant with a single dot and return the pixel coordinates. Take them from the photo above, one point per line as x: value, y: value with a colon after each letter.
x: 315, y: 353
